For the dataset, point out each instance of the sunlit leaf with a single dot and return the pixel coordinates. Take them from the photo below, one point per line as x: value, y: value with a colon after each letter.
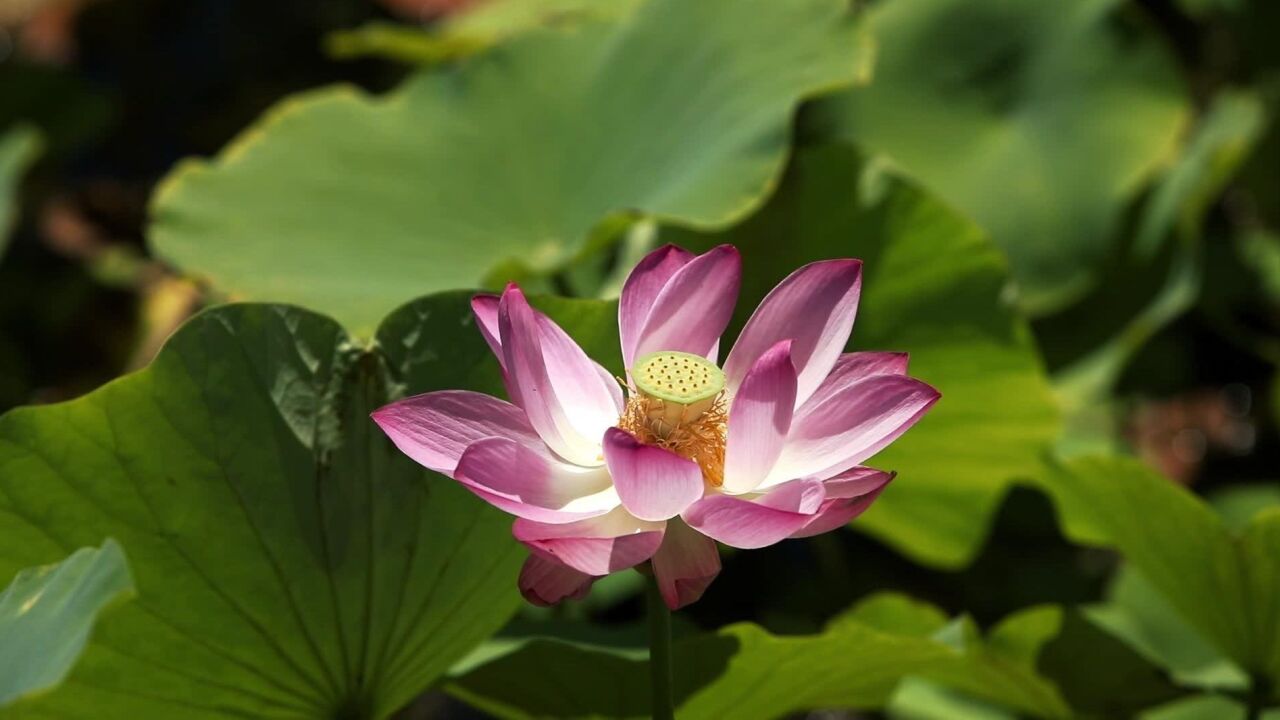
x: 352, y: 205
x: 933, y: 287
x: 47, y: 614
x: 289, y: 561
x: 1040, y: 119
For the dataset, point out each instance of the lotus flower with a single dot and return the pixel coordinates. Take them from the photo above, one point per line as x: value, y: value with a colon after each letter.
x: 768, y: 447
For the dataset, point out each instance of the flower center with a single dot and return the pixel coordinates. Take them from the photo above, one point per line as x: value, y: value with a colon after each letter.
x: 678, y: 404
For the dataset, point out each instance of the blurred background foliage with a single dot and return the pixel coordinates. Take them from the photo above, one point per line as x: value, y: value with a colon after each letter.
x: 1069, y: 213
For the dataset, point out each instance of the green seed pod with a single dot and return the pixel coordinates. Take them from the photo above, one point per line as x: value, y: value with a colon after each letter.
x: 686, y: 386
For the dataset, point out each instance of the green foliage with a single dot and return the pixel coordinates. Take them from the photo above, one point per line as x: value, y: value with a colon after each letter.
x: 934, y: 288
x: 1039, y: 119
x: 1168, y: 234
x: 1175, y: 212
x: 1001, y: 158
x: 1225, y: 586
x: 475, y: 29
x: 47, y: 613
x: 18, y: 149
x: 857, y: 661
x: 288, y: 560
x: 681, y: 110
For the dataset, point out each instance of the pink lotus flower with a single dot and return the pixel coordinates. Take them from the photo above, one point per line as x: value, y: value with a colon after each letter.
x: 766, y: 449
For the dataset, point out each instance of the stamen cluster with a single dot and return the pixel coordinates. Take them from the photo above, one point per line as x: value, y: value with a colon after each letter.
x: 700, y: 439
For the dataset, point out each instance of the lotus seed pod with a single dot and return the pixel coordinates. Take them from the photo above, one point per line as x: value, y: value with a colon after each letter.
x: 682, y: 387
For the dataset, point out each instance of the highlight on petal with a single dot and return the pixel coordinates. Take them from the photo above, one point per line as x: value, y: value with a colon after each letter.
x: 756, y: 521
x: 435, y: 428
x: 855, y: 366
x: 692, y: 309
x: 485, y: 310
x: 815, y: 307
x: 759, y: 419
x: 685, y: 564
x: 597, y: 546
x: 857, y: 482
x: 849, y: 495
x: 530, y: 483
x: 850, y: 425
x: 567, y: 397
x: 546, y: 582
x: 653, y: 483
x: 640, y: 291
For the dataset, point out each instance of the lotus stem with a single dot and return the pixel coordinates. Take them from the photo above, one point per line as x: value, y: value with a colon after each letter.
x: 659, y: 652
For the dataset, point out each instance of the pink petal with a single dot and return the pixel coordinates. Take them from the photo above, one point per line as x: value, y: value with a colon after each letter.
x: 530, y: 483
x: 857, y: 482
x: 694, y: 306
x: 685, y: 564
x: 546, y: 582
x: 434, y: 429
x: 653, y: 483
x: 597, y: 546
x: 640, y: 291
x: 850, y: 425
x: 815, y: 307
x: 852, y: 367
x: 485, y: 310
x: 840, y: 511
x: 759, y: 419
x: 798, y: 496
x: 568, y: 398
x: 755, y: 522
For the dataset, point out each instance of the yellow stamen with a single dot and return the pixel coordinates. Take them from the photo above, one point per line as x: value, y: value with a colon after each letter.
x: 699, y: 437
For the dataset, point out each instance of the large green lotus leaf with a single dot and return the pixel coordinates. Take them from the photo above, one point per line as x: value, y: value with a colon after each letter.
x: 18, y: 149
x: 47, y: 613
x: 352, y: 205
x: 289, y: 561
x: 858, y: 661
x: 1039, y: 119
x: 933, y: 287
x: 1226, y: 586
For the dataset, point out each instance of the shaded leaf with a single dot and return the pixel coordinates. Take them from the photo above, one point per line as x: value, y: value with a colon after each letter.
x: 1225, y: 586
x: 1099, y: 675
x: 18, y: 149
x: 47, y: 613
x: 351, y: 205
x: 744, y: 671
x: 1042, y: 122
x: 1176, y: 210
x: 1240, y: 504
x: 933, y: 286
x: 1137, y: 612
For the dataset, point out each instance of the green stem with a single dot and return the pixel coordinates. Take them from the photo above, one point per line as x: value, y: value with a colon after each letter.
x: 659, y: 652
